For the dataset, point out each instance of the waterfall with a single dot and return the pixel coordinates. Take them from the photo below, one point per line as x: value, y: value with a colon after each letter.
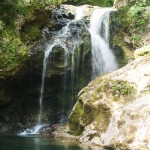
x: 40, y: 124
x: 59, y: 39
x: 68, y: 38
x: 47, y: 53
x: 103, y: 58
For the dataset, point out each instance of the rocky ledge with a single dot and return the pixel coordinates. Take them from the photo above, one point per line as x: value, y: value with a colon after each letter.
x: 114, y: 109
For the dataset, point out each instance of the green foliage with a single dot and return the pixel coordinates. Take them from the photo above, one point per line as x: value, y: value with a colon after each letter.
x: 104, y: 3
x: 139, y: 17
x: 10, y: 9
x: 12, y: 51
x: 140, y: 3
x: 133, y: 20
x: 34, y: 33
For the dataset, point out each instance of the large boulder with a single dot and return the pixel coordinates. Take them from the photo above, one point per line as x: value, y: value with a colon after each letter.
x: 113, y: 110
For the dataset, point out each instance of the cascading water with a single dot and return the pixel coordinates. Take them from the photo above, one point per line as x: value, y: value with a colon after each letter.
x: 47, y: 53
x: 36, y: 128
x: 68, y: 38
x: 103, y: 58
x: 69, y: 48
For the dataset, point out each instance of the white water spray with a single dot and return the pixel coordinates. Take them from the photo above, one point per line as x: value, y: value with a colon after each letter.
x: 103, y: 58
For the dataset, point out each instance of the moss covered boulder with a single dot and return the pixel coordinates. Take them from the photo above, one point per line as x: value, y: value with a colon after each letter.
x: 112, y: 110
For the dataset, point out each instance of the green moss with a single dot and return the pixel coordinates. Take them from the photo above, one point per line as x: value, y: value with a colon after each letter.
x: 88, y: 116
x: 132, y: 22
x: 12, y: 51
x: 34, y: 33
x: 101, y: 118
x: 74, y: 124
x: 144, y: 53
x: 103, y: 3
x: 121, y: 87
x: 115, y: 89
x: 103, y: 87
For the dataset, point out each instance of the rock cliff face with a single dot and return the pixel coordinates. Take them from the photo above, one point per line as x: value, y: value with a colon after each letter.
x: 19, y: 94
x: 113, y: 110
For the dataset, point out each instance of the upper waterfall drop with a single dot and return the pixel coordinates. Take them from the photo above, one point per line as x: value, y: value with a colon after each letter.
x: 103, y: 58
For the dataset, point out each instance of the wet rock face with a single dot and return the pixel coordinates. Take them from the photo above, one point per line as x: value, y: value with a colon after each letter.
x: 19, y: 95
x: 71, y: 36
x: 121, y: 101
x: 67, y: 47
x: 31, y: 30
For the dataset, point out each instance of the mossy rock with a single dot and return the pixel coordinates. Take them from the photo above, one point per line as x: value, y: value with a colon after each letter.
x: 34, y: 33
x: 121, y: 146
x: 31, y: 30
x: 142, y: 51
x: 120, y: 44
x: 13, y: 53
x: 121, y: 87
x: 115, y: 89
x: 74, y: 124
x: 85, y: 113
x: 90, y: 107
